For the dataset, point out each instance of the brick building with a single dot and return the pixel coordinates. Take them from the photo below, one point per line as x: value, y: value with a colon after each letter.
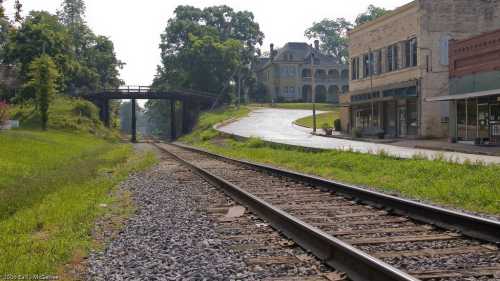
x: 474, y: 88
x: 287, y: 76
x: 400, y: 61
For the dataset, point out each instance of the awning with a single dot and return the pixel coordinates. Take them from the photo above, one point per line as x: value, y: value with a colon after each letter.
x: 465, y: 96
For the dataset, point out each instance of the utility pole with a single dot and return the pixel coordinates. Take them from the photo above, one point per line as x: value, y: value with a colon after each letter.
x: 313, y: 82
x: 370, y: 69
x: 239, y: 89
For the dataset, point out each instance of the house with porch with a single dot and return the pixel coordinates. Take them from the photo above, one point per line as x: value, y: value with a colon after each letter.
x: 287, y: 76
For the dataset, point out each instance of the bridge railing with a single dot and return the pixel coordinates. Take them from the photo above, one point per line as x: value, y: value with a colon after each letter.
x: 129, y: 89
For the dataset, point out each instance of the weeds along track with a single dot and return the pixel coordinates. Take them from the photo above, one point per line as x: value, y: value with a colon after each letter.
x: 367, y: 241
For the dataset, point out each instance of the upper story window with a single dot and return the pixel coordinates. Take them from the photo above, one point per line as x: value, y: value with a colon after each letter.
x: 410, y: 52
x: 392, y: 58
x: 378, y: 62
x: 366, y: 65
x: 355, y: 68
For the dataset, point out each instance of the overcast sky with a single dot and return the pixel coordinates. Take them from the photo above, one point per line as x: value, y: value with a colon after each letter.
x: 135, y: 26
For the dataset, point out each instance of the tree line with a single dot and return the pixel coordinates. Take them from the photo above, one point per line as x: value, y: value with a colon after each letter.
x: 55, y: 53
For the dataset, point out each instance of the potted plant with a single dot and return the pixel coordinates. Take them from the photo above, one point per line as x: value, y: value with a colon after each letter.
x: 327, y: 129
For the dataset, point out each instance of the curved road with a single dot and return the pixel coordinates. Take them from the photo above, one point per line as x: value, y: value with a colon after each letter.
x: 276, y: 125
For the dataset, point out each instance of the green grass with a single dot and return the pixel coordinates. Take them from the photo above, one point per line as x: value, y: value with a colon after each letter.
x: 467, y: 186
x: 323, y: 118
x: 204, y: 129
x: 51, y: 187
x: 304, y: 106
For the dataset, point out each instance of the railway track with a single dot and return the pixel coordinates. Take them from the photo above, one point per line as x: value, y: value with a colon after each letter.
x: 267, y: 255
x: 368, y: 235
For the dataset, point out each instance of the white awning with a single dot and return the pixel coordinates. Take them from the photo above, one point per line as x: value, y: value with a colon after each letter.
x: 465, y: 96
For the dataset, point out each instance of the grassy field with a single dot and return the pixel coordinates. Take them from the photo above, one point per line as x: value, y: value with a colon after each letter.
x: 52, y: 187
x: 324, y: 118
x: 469, y: 186
x: 305, y: 106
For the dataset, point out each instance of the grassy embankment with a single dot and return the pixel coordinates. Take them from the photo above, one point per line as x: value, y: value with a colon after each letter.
x: 469, y: 186
x: 53, y: 187
x: 323, y: 118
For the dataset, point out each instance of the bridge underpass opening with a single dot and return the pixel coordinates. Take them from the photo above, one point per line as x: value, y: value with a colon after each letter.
x: 191, y: 103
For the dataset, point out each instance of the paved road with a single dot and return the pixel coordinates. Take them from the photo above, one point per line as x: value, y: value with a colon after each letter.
x: 276, y: 125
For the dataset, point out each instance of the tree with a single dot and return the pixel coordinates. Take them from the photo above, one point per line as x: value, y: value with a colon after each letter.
x: 332, y: 35
x: 371, y: 13
x: 43, y: 76
x: 72, y: 12
x: 199, y: 32
x: 40, y: 33
x: 4, y: 31
x: 19, y: 8
x: 2, y: 10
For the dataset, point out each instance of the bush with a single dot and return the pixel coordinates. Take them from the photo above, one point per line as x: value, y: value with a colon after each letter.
x: 4, y: 112
x: 254, y: 142
x: 337, y: 125
x: 85, y: 109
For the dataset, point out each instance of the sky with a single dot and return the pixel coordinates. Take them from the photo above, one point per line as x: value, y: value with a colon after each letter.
x: 135, y: 26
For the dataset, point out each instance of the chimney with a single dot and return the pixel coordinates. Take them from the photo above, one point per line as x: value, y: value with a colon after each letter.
x: 316, y: 45
x: 271, y: 54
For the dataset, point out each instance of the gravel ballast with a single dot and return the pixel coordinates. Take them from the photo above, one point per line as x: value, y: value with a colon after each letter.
x: 175, y: 235
x: 167, y: 237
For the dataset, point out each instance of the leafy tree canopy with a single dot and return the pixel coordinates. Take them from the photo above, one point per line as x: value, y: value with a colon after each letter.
x: 203, y: 48
x: 85, y: 61
x: 371, y: 13
x: 332, y: 35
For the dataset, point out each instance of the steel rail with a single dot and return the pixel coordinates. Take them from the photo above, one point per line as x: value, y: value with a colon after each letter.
x: 469, y: 225
x: 358, y: 265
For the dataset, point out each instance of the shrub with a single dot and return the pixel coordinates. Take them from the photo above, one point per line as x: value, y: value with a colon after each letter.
x: 4, y: 112
x: 337, y: 125
x: 255, y: 142
x: 85, y: 109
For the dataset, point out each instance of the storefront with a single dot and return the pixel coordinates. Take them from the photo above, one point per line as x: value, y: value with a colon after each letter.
x: 474, y: 117
x: 391, y: 111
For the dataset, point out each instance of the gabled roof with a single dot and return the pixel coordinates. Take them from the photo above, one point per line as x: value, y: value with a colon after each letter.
x: 300, y: 52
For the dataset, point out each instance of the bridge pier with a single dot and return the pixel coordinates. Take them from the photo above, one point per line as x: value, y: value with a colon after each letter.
x: 173, y: 122
x: 133, y: 122
x: 190, y: 111
x: 104, y: 114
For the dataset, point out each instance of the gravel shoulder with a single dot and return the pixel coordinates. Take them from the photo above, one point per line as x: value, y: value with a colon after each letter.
x: 179, y: 232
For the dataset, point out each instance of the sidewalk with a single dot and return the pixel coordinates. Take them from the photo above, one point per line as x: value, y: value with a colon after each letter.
x: 434, y: 144
x: 276, y: 125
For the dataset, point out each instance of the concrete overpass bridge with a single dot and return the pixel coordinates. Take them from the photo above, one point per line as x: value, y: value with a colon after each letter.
x: 191, y: 103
